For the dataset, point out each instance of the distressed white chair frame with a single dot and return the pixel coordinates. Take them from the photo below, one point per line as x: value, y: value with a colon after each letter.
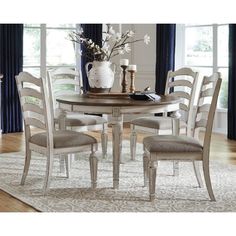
x: 55, y: 79
x: 204, y: 120
x: 187, y: 79
x: 39, y: 115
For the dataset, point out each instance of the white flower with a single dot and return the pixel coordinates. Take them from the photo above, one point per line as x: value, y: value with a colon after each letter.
x: 79, y: 52
x: 120, y: 51
x: 111, y: 31
x: 130, y: 33
x: 116, y: 37
x: 107, y: 36
x: 146, y: 39
x: 127, y: 48
x: 80, y: 31
x: 105, y: 47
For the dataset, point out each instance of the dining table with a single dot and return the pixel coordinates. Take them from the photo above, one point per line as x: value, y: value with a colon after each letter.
x: 117, y: 106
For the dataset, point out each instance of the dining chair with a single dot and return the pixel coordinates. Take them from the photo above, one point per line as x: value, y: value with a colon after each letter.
x: 181, y: 83
x: 36, y: 109
x: 185, y: 148
x: 66, y: 81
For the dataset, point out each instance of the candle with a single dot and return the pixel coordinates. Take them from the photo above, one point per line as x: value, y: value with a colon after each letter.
x: 124, y: 62
x: 132, y: 67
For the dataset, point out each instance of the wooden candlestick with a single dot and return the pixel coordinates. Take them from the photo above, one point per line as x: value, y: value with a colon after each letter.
x: 132, y: 76
x: 124, y: 82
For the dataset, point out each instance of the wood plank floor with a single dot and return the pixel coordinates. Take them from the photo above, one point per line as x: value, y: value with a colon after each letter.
x: 221, y: 149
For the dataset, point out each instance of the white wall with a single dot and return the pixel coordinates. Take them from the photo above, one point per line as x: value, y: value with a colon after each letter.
x: 142, y: 55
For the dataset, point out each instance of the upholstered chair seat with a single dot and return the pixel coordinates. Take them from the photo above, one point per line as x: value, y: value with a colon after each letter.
x: 82, y: 120
x: 157, y: 123
x: 170, y: 144
x: 63, y: 139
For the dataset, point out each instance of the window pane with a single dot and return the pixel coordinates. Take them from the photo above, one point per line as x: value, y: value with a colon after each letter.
x: 61, y: 26
x: 31, y: 47
x: 223, y: 35
x: 223, y: 97
x: 31, y: 25
x: 60, y: 49
x: 199, y: 46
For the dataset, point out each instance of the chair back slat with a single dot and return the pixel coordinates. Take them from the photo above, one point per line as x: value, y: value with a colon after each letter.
x: 66, y: 82
x: 202, y: 123
x: 182, y: 72
x: 207, y: 92
x: 29, y: 79
x: 29, y: 92
x: 203, y: 108
x: 180, y: 83
x: 35, y: 123
x: 182, y: 94
x: 32, y: 108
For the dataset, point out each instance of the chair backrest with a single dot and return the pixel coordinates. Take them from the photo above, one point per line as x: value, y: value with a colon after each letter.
x: 63, y: 81
x: 182, y: 83
x: 206, y: 108
x: 35, y: 107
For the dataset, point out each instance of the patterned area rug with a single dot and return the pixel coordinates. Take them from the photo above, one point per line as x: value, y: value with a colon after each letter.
x: 173, y: 194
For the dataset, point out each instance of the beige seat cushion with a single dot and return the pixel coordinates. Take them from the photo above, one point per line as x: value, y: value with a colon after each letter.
x: 164, y: 123
x: 83, y: 120
x: 171, y: 144
x: 63, y: 139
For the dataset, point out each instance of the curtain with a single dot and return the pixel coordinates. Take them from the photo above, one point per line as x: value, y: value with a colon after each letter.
x: 165, y: 54
x: 11, y: 63
x: 94, y: 32
x: 232, y: 83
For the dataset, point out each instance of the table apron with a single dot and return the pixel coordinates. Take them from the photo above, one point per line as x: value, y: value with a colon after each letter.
x: 122, y: 109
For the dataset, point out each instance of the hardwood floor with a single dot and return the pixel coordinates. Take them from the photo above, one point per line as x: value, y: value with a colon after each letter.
x: 221, y: 149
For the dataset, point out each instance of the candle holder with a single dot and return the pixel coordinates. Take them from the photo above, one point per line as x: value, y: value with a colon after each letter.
x: 124, y: 82
x: 132, y: 76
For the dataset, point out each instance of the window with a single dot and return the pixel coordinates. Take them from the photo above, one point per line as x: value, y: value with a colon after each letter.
x: 48, y: 46
x: 205, y: 49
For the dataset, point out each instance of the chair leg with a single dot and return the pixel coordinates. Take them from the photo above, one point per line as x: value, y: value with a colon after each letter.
x: 208, y: 180
x: 197, y: 173
x: 133, y: 141
x: 152, y: 180
x: 48, y: 172
x: 93, y: 169
x: 68, y: 161
x: 104, y: 139
x: 145, y: 168
x: 26, y: 166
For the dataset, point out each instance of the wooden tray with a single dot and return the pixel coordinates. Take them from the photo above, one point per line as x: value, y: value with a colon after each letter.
x: 107, y: 95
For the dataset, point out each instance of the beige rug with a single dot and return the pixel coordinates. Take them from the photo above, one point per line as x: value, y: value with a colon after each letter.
x: 174, y: 194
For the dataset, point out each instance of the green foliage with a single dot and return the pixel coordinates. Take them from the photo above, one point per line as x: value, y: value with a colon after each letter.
x: 223, y: 99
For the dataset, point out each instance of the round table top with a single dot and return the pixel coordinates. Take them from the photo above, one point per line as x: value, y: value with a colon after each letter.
x: 106, y: 101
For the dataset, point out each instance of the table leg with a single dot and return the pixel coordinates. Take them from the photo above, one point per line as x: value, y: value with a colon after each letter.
x: 175, y: 130
x: 117, y: 128
x: 63, y: 159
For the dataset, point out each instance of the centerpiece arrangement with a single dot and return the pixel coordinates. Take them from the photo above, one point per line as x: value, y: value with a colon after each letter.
x: 101, y: 75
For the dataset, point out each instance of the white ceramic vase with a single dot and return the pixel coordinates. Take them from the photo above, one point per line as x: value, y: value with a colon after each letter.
x: 100, y: 76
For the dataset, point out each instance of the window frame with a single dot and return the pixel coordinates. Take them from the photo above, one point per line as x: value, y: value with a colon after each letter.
x: 181, y: 43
